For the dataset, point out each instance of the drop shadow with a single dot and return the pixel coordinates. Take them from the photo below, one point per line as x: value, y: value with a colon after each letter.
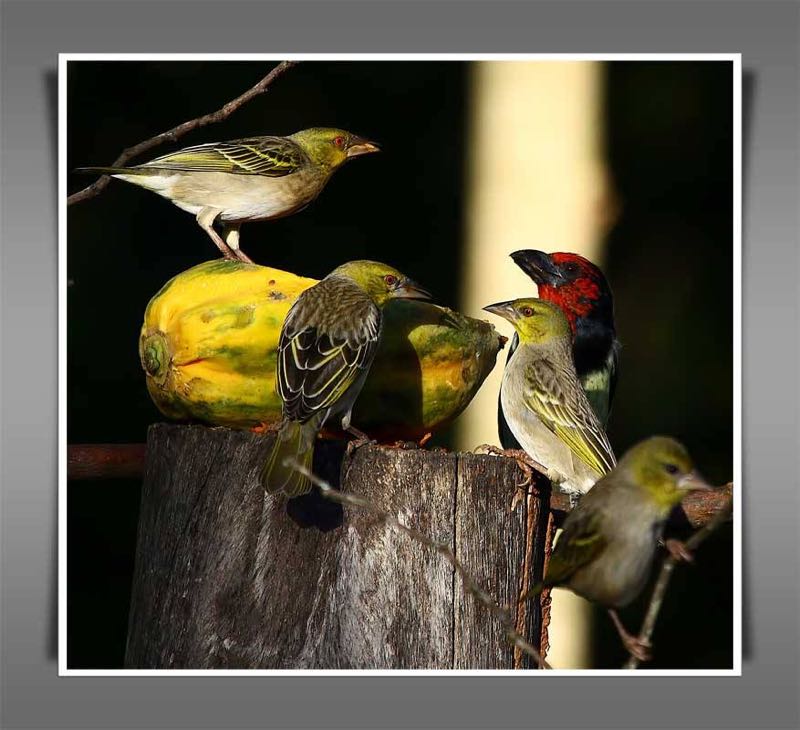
x: 748, y: 101
x: 313, y: 510
x: 50, y: 84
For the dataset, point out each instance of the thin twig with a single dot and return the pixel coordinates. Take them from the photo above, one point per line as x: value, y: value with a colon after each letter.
x: 470, y: 584
x: 668, y: 566
x: 176, y: 133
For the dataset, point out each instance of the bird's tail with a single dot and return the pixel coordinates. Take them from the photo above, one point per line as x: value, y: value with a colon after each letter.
x: 107, y: 170
x: 294, y: 441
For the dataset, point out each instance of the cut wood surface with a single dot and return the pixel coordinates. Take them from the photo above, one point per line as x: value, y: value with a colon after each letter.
x: 230, y: 577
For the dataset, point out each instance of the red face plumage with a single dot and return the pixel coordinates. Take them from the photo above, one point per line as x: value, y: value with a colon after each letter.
x: 580, y: 291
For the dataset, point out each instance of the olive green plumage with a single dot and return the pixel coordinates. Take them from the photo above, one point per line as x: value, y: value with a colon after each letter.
x: 327, y: 344
x: 244, y: 180
x: 544, y: 403
x: 609, y: 539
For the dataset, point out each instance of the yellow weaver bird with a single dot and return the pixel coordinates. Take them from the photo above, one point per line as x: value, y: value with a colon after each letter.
x: 327, y: 345
x: 244, y: 180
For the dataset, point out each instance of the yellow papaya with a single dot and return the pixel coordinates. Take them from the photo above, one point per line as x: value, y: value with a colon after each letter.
x: 209, y: 342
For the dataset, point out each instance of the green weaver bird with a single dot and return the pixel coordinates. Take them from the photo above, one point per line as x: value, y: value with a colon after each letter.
x: 244, y: 180
x: 606, y: 549
x: 327, y: 344
x: 543, y: 402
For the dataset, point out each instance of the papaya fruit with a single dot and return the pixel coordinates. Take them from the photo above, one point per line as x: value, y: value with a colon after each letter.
x: 209, y: 341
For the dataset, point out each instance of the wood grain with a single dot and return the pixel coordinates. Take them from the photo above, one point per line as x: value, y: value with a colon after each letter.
x: 229, y: 577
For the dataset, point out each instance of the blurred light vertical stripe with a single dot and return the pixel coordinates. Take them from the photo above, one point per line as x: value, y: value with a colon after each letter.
x: 536, y: 179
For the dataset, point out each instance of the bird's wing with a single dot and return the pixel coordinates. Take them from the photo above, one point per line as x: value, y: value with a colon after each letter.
x: 269, y: 156
x: 579, y: 544
x: 318, y: 358
x: 555, y: 395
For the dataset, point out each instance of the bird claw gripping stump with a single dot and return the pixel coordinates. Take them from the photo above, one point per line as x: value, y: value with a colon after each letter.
x: 527, y: 465
x: 361, y: 439
x: 411, y: 445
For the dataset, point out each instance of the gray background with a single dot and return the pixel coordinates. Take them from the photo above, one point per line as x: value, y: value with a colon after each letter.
x: 33, y: 696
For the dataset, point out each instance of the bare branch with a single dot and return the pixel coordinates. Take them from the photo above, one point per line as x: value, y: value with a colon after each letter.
x: 171, y: 135
x: 723, y: 515
x: 470, y: 584
x: 699, y: 507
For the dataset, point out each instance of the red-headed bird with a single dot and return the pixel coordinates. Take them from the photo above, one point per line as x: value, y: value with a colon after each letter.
x: 583, y: 294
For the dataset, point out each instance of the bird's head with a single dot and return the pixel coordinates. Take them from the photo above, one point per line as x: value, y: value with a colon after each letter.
x: 662, y: 466
x: 572, y: 282
x: 535, y: 320
x: 381, y: 281
x: 331, y: 148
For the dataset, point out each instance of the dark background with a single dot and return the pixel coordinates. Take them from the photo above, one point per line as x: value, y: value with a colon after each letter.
x: 669, y: 260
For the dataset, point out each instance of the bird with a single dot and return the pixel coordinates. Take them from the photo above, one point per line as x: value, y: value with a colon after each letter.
x: 244, y: 180
x: 543, y: 402
x: 584, y: 295
x: 606, y: 549
x: 326, y: 347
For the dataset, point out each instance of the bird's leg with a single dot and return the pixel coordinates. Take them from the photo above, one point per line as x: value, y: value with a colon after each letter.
x: 361, y: 439
x: 633, y: 644
x: 205, y: 219
x: 231, y: 233
x: 678, y: 550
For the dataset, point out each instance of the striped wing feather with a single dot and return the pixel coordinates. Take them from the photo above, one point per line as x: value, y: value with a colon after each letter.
x: 318, y: 358
x: 559, y: 401
x: 269, y: 156
x: 579, y: 544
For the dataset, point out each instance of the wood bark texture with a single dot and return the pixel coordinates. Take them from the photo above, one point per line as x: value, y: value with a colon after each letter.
x: 230, y: 577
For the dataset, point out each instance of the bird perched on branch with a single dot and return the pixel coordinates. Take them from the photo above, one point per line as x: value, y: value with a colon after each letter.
x: 244, y: 180
x: 543, y: 402
x: 327, y: 344
x: 606, y: 549
x: 583, y: 294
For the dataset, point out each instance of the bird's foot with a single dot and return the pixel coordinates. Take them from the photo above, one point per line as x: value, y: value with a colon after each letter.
x: 635, y: 646
x: 525, y: 463
x: 678, y: 550
x: 403, y: 445
x: 411, y: 445
x: 361, y: 439
x: 262, y: 427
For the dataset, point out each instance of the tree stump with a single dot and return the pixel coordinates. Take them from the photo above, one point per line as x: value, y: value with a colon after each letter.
x: 230, y: 577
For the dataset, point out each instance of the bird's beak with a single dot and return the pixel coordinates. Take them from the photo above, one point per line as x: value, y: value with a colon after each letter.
x: 539, y: 266
x: 503, y: 309
x: 360, y: 146
x: 409, y: 289
x: 693, y: 482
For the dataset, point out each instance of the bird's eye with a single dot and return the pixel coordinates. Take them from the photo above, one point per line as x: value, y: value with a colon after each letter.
x: 571, y: 268
x: 390, y: 279
x: 339, y: 141
x: 527, y: 312
x: 671, y: 468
